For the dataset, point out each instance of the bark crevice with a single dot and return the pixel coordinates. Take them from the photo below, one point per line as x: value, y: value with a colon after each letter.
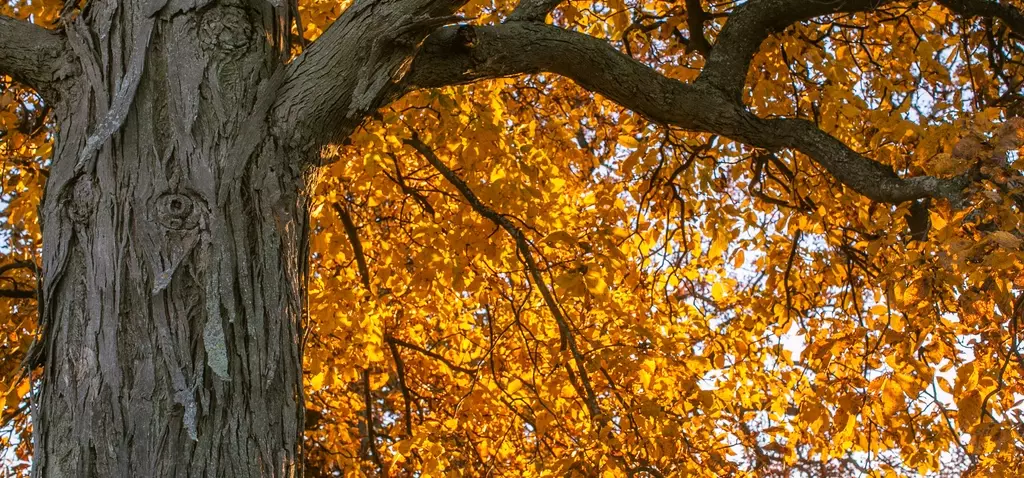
x: 175, y: 230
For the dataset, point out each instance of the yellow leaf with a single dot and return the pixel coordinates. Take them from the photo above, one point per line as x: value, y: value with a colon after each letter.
x: 571, y: 283
x: 567, y: 391
x: 24, y: 387
x: 497, y: 172
x: 718, y: 291
x: 718, y: 247
x: 543, y: 422
x: 561, y: 236
x: 317, y: 381
x: 738, y: 259
x: 645, y: 379
x: 629, y: 142
x: 514, y: 386
x: 374, y: 353
x: 968, y: 410
x: 966, y: 377
x: 892, y: 397
x: 1005, y: 239
x: 595, y: 282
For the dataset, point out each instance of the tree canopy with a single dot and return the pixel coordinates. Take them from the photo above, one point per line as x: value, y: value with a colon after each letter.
x: 645, y: 238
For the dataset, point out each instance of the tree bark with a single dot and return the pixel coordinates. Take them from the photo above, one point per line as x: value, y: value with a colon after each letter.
x: 175, y: 232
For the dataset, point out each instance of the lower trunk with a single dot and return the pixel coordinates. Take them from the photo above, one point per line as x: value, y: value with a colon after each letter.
x: 174, y: 253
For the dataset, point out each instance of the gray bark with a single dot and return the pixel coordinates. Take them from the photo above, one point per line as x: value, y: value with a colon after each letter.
x: 33, y: 55
x: 175, y: 246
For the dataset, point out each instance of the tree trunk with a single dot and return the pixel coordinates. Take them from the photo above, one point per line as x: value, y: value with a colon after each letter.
x: 175, y: 232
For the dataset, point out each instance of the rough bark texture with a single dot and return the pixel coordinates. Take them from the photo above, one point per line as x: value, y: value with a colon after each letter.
x: 175, y: 247
x: 353, y: 69
x: 33, y: 55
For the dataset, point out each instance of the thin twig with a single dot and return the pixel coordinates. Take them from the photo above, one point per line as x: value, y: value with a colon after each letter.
x: 357, y: 246
x: 531, y: 265
x: 391, y: 340
x: 371, y: 435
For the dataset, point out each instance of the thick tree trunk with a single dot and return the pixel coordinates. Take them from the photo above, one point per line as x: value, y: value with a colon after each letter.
x: 175, y: 250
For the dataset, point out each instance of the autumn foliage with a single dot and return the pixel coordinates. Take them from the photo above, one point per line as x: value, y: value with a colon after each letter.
x: 519, y: 277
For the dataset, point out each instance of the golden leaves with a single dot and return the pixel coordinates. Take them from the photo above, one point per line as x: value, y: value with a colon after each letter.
x: 718, y: 291
x: 892, y: 397
x: 628, y: 142
x: 723, y: 308
x: 968, y: 410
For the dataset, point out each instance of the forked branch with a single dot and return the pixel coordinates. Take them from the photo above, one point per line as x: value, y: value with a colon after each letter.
x: 708, y: 106
x: 350, y: 71
x: 324, y: 97
x: 752, y: 23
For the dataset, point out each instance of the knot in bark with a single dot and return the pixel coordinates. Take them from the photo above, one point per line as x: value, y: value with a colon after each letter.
x: 81, y: 200
x: 177, y: 211
x: 226, y: 29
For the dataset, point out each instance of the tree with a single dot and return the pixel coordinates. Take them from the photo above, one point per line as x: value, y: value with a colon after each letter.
x: 637, y: 238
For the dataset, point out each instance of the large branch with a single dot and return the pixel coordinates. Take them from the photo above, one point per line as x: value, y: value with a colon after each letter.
x: 533, y: 10
x: 1011, y: 16
x: 750, y: 24
x: 32, y: 55
x: 350, y: 70
x: 523, y: 47
x: 515, y: 48
x: 695, y: 18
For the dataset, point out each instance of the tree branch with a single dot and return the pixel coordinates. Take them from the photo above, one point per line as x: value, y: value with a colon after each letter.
x: 1011, y: 16
x: 875, y: 180
x: 357, y: 246
x: 406, y: 395
x: 350, y: 71
x: 750, y: 24
x: 371, y: 435
x: 32, y: 55
x: 533, y: 10
x: 392, y: 340
x: 17, y: 294
x: 567, y: 337
x: 20, y: 264
x: 521, y: 47
x: 695, y: 18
